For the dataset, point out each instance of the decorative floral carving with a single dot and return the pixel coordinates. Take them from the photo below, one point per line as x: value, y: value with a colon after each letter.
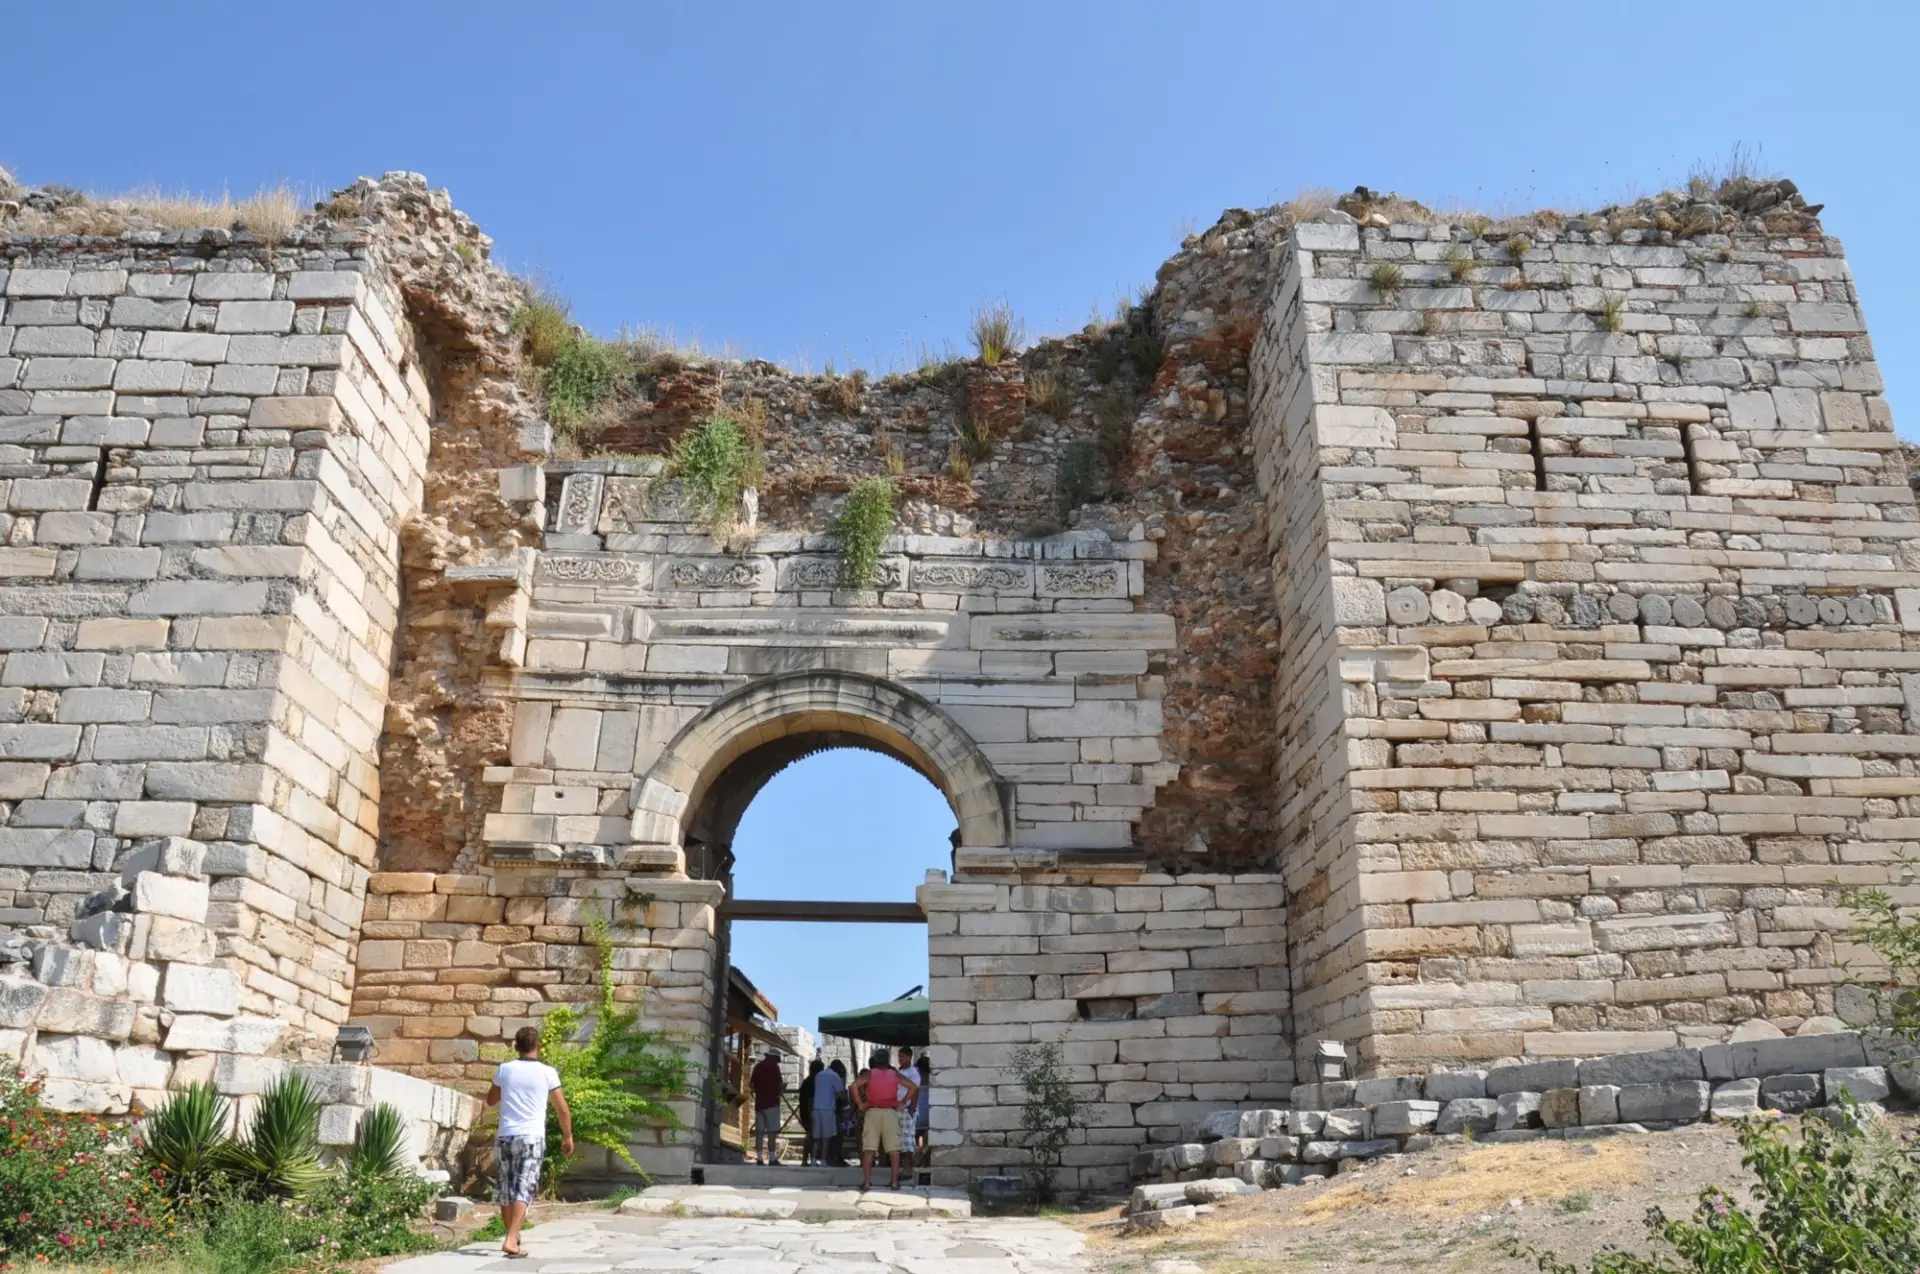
x: 1080, y: 580
x: 632, y: 501
x: 825, y: 573
x: 725, y: 574
x: 948, y: 577
x: 589, y: 570
x: 579, y: 503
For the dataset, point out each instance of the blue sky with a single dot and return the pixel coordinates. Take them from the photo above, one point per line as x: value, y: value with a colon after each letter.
x: 846, y: 825
x: 848, y: 181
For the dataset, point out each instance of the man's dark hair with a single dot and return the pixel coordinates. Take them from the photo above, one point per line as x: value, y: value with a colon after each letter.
x: 816, y: 1066
x: 880, y: 1060
x: 906, y: 1053
x: 526, y: 1040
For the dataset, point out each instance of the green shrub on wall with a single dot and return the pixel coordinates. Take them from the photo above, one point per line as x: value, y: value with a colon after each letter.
x: 713, y: 463
x: 862, y: 528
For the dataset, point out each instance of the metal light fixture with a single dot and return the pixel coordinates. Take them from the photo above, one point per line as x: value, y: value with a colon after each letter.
x: 353, y: 1044
x: 1330, y: 1060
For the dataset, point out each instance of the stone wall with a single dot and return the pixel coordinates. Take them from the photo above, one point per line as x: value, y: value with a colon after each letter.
x: 1619, y: 537
x: 209, y: 448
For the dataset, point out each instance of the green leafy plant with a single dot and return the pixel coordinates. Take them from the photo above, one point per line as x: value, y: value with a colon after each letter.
x: 1050, y: 1114
x: 1879, y: 923
x: 495, y: 1227
x: 1518, y: 246
x: 713, y: 463
x: 71, y: 1188
x: 862, y: 528
x: 976, y: 436
x: 584, y: 373
x: 280, y: 1154
x: 997, y: 333
x: 1387, y: 279
x: 1612, y: 312
x: 1838, y: 1200
x: 1078, y: 476
x: 959, y: 468
x: 184, y: 1139
x: 1459, y: 262
x: 619, y: 1080
x: 379, y: 1143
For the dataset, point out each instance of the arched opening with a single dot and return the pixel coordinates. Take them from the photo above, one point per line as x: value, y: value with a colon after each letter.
x: 826, y: 795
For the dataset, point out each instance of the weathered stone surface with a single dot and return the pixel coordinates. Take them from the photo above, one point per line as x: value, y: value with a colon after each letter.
x: 1446, y: 1086
x: 1468, y: 1114
x: 1643, y: 1068
x: 1560, y: 1107
x: 1798, y: 1054
x: 1735, y: 1099
x: 1532, y: 1077
x: 1516, y: 1110
x: 1791, y: 1094
x: 1862, y: 1083
x: 1400, y: 1118
x: 1673, y: 1100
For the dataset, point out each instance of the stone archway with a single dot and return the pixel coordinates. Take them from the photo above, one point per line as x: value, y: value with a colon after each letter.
x: 813, y: 709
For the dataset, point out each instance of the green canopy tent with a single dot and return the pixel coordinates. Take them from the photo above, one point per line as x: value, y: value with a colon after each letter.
x: 897, y: 1022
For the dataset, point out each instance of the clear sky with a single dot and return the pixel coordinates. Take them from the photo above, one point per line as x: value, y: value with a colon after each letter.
x: 846, y: 825
x: 848, y: 181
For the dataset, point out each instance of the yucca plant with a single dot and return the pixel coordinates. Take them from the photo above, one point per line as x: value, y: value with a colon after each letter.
x: 280, y: 1155
x: 185, y: 1137
x: 380, y: 1144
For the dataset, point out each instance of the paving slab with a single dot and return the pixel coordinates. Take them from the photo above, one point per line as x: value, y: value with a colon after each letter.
x: 747, y: 1245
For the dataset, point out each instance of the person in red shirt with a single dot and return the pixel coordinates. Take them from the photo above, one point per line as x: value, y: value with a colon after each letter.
x: 767, y: 1083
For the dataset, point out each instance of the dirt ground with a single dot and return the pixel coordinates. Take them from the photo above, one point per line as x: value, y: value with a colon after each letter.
x: 1460, y: 1210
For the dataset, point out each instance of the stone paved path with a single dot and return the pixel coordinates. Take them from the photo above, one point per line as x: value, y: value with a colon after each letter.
x: 729, y: 1245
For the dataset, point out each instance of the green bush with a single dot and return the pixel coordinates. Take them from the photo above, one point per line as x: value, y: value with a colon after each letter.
x: 997, y: 333
x: 584, y: 373
x: 618, y: 1081
x: 712, y: 463
x: 346, y: 1218
x: 1840, y: 1201
x: 280, y: 1155
x: 862, y: 528
x: 544, y: 324
x: 72, y: 1187
x: 1049, y: 1114
x: 1893, y: 989
x: 183, y: 1139
x: 379, y: 1143
x: 1079, y: 475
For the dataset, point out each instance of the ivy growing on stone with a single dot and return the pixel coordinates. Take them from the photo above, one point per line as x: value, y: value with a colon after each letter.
x: 862, y: 528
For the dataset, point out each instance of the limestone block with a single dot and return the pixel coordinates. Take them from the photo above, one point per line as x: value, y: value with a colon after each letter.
x: 63, y: 966
x: 1351, y: 1124
x: 1358, y: 603
x: 1735, y: 1099
x: 1370, y: 427
x: 1535, y: 1077
x: 69, y: 1012
x: 238, y: 1075
x: 1408, y: 605
x: 1218, y: 1189
x: 1335, y: 1151
x: 1219, y: 1124
x: 1279, y: 1149
x: 79, y: 1057
x: 245, y: 1034
x: 1231, y: 1150
x: 1599, y: 1104
x: 1372, y: 1092
x: 193, y: 988
x: 1655, y: 1067
x: 1560, y: 1108
x: 1799, y: 1054
x: 1790, y: 1094
x: 1447, y: 1086
x: 1517, y: 1110
x: 142, y: 1066
x: 1306, y: 1123
x: 177, y: 897
x: 20, y: 1003
x: 1672, y: 1100
x: 1402, y: 1118
x: 337, y: 1125
x: 1863, y: 1083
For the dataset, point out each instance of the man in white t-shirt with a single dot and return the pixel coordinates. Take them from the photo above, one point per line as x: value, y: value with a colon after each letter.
x: 522, y: 1088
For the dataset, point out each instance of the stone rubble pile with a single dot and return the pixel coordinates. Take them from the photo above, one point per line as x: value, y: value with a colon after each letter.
x: 1338, y: 1122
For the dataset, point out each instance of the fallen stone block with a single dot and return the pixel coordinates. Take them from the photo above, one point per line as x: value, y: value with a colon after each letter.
x: 1403, y: 1118
x: 1517, y: 1110
x: 1862, y: 1083
x: 1279, y: 1149
x: 1658, y: 1067
x: 1215, y: 1189
x: 1735, y: 1099
x: 1589, y: 1132
x: 1533, y: 1077
x: 1791, y: 1094
x: 1798, y: 1054
x: 1446, y: 1086
x: 1599, y: 1104
x: 1292, y: 1174
x: 1145, y: 1198
x: 1231, y: 1150
x: 452, y: 1207
x: 1387, y: 1088
x: 1165, y: 1218
x: 1468, y: 1115
x: 1676, y: 1100
x: 1335, y: 1151
x: 1351, y: 1124
x: 1560, y: 1107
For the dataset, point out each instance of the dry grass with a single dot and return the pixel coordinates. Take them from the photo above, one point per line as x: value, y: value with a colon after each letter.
x: 267, y: 214
x: 1487, y: 1177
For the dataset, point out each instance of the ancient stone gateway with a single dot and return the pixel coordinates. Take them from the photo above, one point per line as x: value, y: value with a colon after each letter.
x: 1459, y: 641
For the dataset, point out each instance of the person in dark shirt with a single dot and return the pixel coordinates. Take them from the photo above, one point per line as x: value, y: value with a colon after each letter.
x: 806, y: 1110
x: 767, y: 1083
